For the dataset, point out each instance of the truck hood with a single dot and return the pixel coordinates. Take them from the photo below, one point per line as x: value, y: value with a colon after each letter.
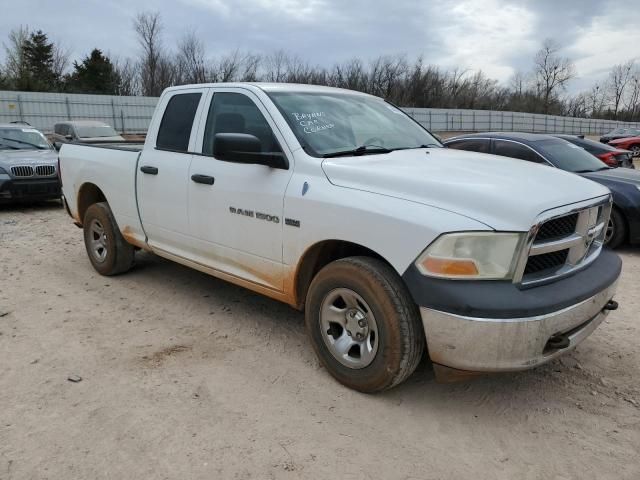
x: 9, y: 158
x: 503, y: 193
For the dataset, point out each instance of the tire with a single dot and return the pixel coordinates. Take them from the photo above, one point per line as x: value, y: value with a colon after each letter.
x: 616, y: 230
x: 108, y: 251
x: 362, y: 289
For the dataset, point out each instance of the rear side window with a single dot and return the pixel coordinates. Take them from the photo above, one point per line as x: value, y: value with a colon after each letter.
x: 516, y: 150
x: 236, y: 113
x: 175, y: 128
x: 471, y: 145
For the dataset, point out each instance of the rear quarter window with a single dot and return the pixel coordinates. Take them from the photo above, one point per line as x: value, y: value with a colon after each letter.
x: 177, y: 121
x: 471, y: 145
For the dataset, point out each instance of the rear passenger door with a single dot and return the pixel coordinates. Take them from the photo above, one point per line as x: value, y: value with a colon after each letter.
x: 236, y: 221
x: 163, y: 169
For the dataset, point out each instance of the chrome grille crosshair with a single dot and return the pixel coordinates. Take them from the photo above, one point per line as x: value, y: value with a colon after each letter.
x: 554, y: 250
x: 22, y: 171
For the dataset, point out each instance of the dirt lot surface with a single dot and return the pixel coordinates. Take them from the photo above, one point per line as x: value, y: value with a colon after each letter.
x: 186, y: 377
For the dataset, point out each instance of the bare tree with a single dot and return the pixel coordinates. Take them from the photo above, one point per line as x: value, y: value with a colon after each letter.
x: 148, y: 27
x: 596, y: 99
x: 127, y: 71
x: 619, y: 78
x: 633, y: 96
x: 190, y: 61
x: 275, y: 66
x: 16, y: 65
x: 552, y: 72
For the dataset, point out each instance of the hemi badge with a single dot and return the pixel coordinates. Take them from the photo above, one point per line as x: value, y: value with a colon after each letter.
x: 292, y: 223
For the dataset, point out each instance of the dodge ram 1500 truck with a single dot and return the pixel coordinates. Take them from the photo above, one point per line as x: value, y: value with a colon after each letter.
x: 341, y: 205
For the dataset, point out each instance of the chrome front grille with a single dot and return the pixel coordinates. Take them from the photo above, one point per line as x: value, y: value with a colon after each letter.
x: 563, y: 242
x: 45, y: 170
x: 29, y: 171
x: 22, y: 171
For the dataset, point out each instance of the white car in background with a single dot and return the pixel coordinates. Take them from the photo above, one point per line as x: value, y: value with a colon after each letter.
x: 84, y: 131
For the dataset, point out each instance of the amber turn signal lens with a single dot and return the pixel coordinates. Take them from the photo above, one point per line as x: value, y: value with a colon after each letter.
x: 450, y: 266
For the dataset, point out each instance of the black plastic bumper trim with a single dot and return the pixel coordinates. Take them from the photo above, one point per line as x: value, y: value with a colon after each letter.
x: 500, y: 299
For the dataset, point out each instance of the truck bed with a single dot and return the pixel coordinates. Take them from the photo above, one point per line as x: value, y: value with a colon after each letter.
x: 109, y: 167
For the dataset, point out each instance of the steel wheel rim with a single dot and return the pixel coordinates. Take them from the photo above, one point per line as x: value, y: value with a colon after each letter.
x: 97, y: 241
x: 635, y: 150
x: 609, y: 232
x: 348, y: 328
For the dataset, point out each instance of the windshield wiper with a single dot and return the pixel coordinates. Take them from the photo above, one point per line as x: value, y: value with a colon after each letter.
x: 362, y: 150
x: 591, y: 171
x: 39, y: 147
x: 9, y: 146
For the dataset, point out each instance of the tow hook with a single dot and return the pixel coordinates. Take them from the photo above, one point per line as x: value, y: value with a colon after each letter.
x: 558, y: 342
x: 611, y: 306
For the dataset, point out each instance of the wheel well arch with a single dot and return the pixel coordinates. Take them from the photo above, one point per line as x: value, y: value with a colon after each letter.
x: 88, y: 194
x: 321, y: 254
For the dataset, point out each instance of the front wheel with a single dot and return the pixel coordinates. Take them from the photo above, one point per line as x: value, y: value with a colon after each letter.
x: 363, y: 324
x: 616, y: 230
x: 108, y: 251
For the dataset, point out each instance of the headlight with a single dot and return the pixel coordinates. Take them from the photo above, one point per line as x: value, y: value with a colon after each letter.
x: 472, y: 255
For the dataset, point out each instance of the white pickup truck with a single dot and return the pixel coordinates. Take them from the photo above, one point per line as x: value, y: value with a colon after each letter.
x: 340, y: 205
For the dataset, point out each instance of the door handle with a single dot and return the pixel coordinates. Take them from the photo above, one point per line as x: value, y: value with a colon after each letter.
x: 148, y: 169
x: 206, y: 179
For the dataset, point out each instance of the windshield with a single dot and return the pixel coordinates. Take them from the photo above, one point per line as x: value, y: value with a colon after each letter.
x: 568, y: 156
x: 22, y: 139
x: 328, y: 123
x: 92, y: 131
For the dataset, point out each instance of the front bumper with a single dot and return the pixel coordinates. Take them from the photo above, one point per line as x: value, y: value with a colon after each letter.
x: 32, y: 189
x: 508, y: 344
x: 492, y: 326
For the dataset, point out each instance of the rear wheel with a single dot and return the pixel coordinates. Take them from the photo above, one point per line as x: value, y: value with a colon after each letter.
x: 616, y: 230
x: 635, y: 150
x: 363, y: 324
x: 108, y: 251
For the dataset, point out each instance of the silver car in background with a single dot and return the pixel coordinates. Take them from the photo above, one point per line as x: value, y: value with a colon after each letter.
x: 84, y: 131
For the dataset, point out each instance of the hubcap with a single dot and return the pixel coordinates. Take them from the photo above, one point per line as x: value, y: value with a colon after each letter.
x: 98, y: 241
x: 635, y: 150
x: 610, y: 231
x: 349, y: 328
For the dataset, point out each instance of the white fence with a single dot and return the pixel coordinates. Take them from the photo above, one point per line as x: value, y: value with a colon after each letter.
x: 133, y: 114
x: 43, y: 110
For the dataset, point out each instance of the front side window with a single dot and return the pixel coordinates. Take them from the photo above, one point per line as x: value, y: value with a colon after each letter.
x: 471, y: 145
x: 236, y: 113
x: 177, y: 121
x: 327, y: 123
x: 22, y: 139
x: 516, y: 150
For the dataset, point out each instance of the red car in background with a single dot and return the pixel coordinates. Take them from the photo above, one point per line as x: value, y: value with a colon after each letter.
x: 629, y: 143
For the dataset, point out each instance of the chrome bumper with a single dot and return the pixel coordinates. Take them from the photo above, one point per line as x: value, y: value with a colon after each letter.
x: 492, y: 345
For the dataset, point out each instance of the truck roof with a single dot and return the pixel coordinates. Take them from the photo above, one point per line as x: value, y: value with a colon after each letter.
x: 273, y: 87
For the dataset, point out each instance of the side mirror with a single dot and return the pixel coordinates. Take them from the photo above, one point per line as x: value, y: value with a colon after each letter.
x: 68, y: 137
x: 245, y: 148
x: 57, y: 145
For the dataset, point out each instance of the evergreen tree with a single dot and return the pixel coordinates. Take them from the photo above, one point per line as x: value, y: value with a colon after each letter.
x: 39, y: 62
x: 95, y: 74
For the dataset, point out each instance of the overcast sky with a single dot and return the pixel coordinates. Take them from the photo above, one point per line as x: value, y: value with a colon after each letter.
x: 496, y: 36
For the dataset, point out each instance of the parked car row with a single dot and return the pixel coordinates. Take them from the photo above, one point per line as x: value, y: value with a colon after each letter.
x: 624, y: 138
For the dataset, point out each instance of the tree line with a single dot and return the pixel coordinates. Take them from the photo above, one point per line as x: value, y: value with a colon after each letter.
x: 36, y: 63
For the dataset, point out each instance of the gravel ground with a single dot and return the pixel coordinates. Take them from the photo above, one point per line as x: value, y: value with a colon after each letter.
x: 186, y: 377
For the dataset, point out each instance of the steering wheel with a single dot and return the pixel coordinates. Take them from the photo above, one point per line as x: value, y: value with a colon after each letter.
x: 374, y: 141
